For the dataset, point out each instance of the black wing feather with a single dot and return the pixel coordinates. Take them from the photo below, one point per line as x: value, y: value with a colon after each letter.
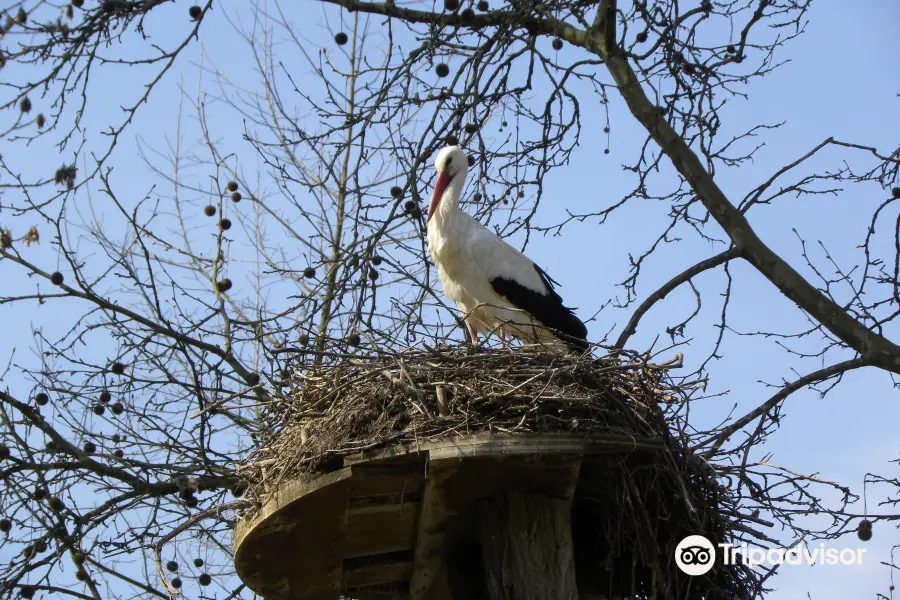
x: 547, y: 309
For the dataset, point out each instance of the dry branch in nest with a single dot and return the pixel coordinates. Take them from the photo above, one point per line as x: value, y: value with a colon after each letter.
x: 631, y: 508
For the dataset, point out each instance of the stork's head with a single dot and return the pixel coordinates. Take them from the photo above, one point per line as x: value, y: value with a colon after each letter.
x: 452, y: 165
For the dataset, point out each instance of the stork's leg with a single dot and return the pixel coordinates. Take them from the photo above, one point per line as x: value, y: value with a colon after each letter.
x: 472, y: 335
x: 502, y: 337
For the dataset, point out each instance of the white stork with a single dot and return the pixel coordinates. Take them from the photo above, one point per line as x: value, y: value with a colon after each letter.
x: 495, y: 286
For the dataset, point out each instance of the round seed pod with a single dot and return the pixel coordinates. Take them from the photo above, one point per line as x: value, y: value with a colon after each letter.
x: 198, y: 562
x: 864, y: 530
x: 105, y: 397
x: 442, y: 70
x: 204, y: 579
x: 195, y: 12
x: 79, y: 557
x: 231, y: 186
x: 5, y: 525
x: 176, y: 583
x: 309, y: 272
x: 81, y: 575
x: 117, y: 368
x: 209, y: 210
x: 895, y: 192
x: 119, y: 453
x: 172, y: 566
x: 41, y: 398
x: 452, y: 140
x: 225, y: 224
x: 451, y: 5
x: 224, y: 285
x: 4, y: 452
x: 557, y: 44
x: 118, y: 408
x: 467, y: 15
x: 396, y: 191
x: 377, y: 260
x: 340, y: 38
x: 56, y: 504
x: 56, y: 278
x: 236, y: 197
x: 483, y: 5
x: 354, y: 339
x: 90, y: 447
x: 373, y: 274
x: 99, y: 409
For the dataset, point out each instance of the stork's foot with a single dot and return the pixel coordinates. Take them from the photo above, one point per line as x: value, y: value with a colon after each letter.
x: 473, y: 337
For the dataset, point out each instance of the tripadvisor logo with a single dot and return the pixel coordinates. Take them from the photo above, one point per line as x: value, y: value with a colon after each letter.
x: 695, y: 555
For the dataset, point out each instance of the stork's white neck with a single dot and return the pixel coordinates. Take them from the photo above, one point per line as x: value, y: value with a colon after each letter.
x: 448, y: 209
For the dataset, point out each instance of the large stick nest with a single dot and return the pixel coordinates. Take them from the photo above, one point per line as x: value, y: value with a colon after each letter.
x: 626, y: 524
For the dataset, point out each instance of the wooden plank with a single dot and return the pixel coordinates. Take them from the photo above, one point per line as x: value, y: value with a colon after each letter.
x: 544, y: 444
x: 500, y: 443
x: 380, y: 528
x: 376, y: 593
x: 429, y: 578
x: 382, y: 480
x: 396, y: 453
x: 376, y: 572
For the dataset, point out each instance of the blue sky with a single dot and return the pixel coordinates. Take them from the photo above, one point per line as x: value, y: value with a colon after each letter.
x: 840, y: 81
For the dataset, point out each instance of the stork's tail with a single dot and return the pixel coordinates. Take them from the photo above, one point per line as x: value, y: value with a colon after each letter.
x: 570, y: 330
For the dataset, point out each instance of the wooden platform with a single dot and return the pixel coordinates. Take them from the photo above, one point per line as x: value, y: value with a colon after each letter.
x: 379, y: 526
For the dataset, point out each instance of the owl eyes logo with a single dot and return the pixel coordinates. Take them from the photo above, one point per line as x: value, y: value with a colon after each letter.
x: 695, y: 555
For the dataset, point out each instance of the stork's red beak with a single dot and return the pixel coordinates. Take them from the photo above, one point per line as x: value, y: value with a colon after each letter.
x: 440, y: 186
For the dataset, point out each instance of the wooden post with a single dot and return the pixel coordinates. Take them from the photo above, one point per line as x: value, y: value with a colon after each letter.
x: 526, y: 547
